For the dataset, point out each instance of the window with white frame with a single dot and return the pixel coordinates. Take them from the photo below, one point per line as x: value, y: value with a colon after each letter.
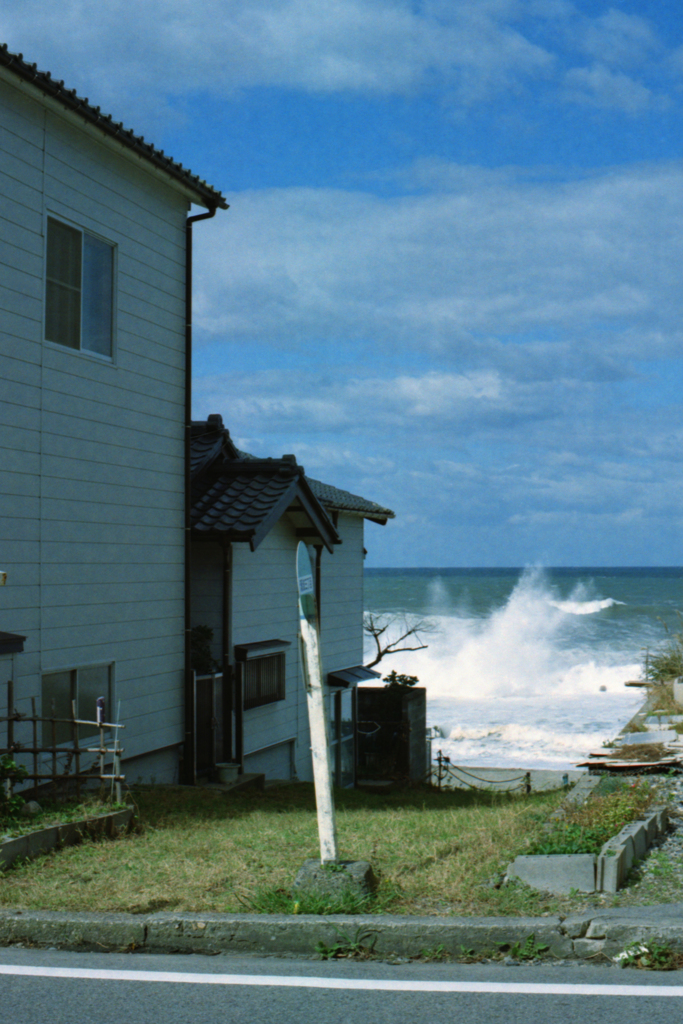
x: 82, y: 687
x: 79, y: 289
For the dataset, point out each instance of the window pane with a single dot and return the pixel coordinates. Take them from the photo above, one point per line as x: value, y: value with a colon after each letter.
x: 97, y: 296
x: 346, y: 724
x: 264, y: 680
x: 56, y: 703
x: 63, y: 254
x: 93, y: 683
x: 62, y: 315
x: 63, y: 285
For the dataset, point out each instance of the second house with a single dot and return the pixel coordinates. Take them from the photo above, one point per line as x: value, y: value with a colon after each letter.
x: 248, y: 517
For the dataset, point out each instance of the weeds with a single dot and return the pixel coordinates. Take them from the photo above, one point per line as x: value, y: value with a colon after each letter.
x: 649, y: 956
x: 527, y: 950
x: 10, y: 772
x: 348, y: 947
x: 586, y: 828
x: 435, y: 954
x: 667, y: 663
x: 281, y: 901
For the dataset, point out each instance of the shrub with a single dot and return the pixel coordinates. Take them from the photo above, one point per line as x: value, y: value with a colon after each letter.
x: 667, y: 663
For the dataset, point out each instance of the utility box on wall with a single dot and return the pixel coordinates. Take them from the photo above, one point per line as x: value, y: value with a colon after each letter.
x: 392, y: 733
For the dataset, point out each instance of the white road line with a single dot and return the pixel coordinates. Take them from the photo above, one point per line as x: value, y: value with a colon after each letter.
x: 347, y: 984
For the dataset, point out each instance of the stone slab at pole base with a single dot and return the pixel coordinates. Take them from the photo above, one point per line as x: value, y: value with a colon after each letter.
x: 346, y: 877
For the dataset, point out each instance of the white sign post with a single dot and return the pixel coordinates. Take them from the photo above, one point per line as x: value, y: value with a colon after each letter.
x: 320, y: 747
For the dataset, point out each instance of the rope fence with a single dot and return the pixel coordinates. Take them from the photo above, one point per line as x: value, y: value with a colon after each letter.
x: 447, y: 772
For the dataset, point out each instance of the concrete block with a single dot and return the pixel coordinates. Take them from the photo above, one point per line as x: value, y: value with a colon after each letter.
x: 557, y: 873
x: 44, y: 839
x: 588, y: 947
x: 610, y: 868
x: 13, y: 849
x: 620, y: 927
x: 576, y: 925
x: 348, y: 876
x: 638, y: 833
x: 651, y: 827
x: 629, y: 855
x: 662, y: 815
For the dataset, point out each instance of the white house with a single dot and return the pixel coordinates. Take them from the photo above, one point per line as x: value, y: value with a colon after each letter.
x: 248, y: 517
x: 95, y: 279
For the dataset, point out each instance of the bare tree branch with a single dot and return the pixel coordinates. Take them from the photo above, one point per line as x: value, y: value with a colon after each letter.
x: 392, y: 634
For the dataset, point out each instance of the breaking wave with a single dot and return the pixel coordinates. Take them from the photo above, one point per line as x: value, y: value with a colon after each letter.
x: 530, y: 683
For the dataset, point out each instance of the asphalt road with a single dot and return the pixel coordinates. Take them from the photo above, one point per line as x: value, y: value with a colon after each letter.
x: 53, y: 987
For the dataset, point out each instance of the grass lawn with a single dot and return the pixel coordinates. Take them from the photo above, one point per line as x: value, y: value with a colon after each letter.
x: 202, y: 850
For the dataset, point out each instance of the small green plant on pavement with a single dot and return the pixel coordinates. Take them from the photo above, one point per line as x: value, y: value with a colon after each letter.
x: 649, y: 956
x: 527, y: 950
x: 434, y: 954
x: 348, y: 947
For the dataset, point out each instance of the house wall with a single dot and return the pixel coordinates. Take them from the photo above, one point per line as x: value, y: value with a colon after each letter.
x: 91, y: 450
x: 265, y: 607
x: 341, y: 604
x: 206, y: 601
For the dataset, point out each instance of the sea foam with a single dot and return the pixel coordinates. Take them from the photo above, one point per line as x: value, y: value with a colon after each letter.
x: 526, y: 684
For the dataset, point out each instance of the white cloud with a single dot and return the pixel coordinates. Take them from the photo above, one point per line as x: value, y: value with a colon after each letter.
x: 218, y: 46
x: 619, y: 39
x: 601, y: 86
x: 312, y: 402
x: 452, y: 270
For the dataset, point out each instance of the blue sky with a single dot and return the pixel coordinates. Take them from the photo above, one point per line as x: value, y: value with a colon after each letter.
x: 449, y: 279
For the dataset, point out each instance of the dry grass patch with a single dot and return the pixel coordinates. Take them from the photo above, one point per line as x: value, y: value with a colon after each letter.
x: 199, y: 850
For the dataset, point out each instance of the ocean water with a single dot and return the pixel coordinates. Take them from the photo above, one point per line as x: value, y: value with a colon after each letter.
x: 526, y: 668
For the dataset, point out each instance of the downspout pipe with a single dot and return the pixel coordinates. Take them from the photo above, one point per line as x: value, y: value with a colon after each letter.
x: 189, y: 767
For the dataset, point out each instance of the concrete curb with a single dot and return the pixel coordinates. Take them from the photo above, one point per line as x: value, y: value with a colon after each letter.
x: 578, y: 936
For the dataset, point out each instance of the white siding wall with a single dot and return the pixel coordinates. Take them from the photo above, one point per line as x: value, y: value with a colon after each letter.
x: 341, y: 602
x: 91, y: 451
x: 265, y: 607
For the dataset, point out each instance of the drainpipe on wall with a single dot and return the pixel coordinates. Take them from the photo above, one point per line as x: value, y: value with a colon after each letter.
x: 189, y: 764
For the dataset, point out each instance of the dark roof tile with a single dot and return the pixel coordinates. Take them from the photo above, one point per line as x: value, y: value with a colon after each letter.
x: 56, y: 89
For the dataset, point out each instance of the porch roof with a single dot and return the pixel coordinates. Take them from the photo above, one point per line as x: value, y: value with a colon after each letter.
x: 11, y: 643
x: 241, y: 499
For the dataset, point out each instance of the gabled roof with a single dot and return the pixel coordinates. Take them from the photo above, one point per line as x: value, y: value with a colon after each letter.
x: 241, y: 499
x: 203, y: 193
x: 336, y: 500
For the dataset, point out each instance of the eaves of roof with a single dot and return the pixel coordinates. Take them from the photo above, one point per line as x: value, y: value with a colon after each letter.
x: 336, y: 500
x: 202, y: 193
